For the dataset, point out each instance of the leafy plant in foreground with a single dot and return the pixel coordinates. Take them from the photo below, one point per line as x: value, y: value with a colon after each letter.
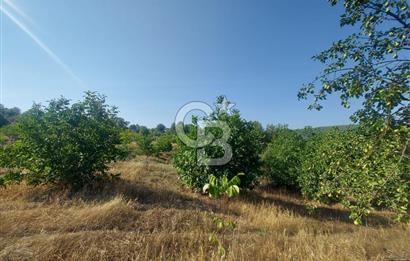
x: 223, y: 186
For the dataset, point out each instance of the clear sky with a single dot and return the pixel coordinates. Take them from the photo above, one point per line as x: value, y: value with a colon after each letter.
x: 150, y: 57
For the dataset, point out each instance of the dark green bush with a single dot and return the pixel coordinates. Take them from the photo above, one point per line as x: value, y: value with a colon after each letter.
x: 282, y: 157
x: 70, y: 145
x: 245, y: 140
x: 8, y: 115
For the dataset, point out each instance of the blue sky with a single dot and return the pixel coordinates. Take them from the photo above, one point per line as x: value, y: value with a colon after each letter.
x: 150, y: 57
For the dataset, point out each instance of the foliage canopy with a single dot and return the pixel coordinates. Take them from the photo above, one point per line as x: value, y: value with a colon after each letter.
x: 245, y: 140
x: 372, y: 64
x: 283, y: 156
x: 70, y: 145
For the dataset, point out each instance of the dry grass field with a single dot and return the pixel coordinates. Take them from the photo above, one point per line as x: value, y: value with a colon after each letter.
x: 148, y: 215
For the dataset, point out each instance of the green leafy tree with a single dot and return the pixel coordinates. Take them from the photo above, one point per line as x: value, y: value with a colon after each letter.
x: 9, y: 134
x: 191, y: 173
x: 245, y: 140
x: 129, y: 144
x: 163, y: 143
x: 144, y: 130
x: 372, y: 64
x: 8, y: 115
x: 160, y: 128
x: 270, y: 131
x: 357, y: 171
x: 123, y: 124
x: 134, y: 127
x: 65, y: 144
x: 282, y: 157
x: 172, y: 129
x: 135, y: 143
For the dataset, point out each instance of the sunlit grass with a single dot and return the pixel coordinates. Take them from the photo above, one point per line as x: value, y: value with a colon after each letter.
x: 147, y: 215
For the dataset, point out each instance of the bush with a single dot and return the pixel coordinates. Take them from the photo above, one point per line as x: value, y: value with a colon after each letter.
x: 282, y: 157
x: 222, y: 186
x: 63, y: 144
x: 322, y: 152
x: 163, y: 143
x: 358, y: 171
x: 192, y: 174
x: 9, y: 134
x: 135, y: 143
x: 246, y: 143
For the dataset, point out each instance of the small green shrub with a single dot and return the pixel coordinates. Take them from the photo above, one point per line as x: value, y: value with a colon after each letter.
x: 163, y: 143
x: 213, y: 239
x: 221, y: 225
x: 223, y: 186
x: 70, y: 145
x: 224, y: 224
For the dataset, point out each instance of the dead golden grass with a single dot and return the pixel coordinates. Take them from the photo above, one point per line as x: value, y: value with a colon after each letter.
x: 147, y: 215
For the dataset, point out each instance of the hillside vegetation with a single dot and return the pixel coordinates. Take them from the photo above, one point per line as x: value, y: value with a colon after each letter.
x: 78, y: 182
